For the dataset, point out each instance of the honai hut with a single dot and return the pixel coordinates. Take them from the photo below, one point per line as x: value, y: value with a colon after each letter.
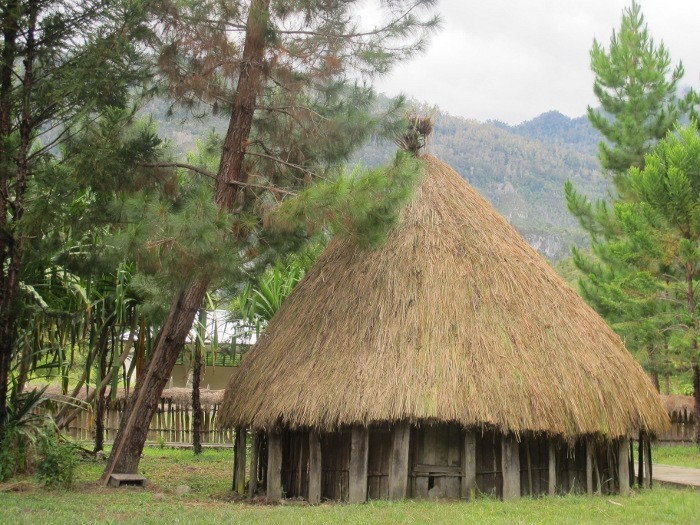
x: 450, y: 361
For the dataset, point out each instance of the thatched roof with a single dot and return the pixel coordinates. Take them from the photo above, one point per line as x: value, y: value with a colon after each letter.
x: 680, y: 408
x: 176, y: 395
x: 455, y: 318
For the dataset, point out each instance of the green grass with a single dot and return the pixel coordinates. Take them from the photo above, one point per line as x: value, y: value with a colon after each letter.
x: 678, y: 455
x: 210, y: 501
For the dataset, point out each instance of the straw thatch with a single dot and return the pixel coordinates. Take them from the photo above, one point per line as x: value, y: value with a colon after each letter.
x: 180, y: 396
x: 680, y: 408
x: 454, y: 318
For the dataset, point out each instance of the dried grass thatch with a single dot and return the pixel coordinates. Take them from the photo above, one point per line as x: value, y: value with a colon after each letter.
x: 179, y: 396
x: 680, y: 408
x: 454, y: 318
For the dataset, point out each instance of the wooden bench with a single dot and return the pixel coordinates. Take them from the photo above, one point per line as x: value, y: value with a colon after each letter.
x: 133, y: 480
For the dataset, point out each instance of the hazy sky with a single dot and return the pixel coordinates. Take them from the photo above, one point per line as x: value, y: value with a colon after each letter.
x: 514, y: 59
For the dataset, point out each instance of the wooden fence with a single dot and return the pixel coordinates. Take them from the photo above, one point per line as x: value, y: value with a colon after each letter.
x: 171, y: 424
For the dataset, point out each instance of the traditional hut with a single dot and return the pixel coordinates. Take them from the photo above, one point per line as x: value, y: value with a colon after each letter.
x: 451, y: 360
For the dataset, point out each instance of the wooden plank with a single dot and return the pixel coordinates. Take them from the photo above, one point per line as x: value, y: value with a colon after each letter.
x: 510, y: 466
x: 571, y: 467
x: 254, y: 445
x: 528, y: 459
x: 420, y: 483
x: 455, y: 444
x: 440, y: 445
x: 398, y: 462
x: 589, y: 466
x: 274, y: 467
x: 240, y: 460
x: 468, y: 488
x: 437, y: 470
x: 315, y: 471
x: 132, y: 480
x: 623, y: 466
x: 359, y: 457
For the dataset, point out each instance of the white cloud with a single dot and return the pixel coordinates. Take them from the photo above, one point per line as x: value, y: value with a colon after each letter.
x: 512, y: 60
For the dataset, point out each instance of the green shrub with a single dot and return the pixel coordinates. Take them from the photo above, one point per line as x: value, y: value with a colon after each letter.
x: 56, y: 463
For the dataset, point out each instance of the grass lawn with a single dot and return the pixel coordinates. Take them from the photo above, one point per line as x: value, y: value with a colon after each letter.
x: 679, y: 455
x: 209, y: 501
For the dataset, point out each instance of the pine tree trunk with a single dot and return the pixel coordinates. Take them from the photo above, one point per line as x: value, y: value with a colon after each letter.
x: 142, y: 404
x: 196, y: 380
x: 133, y: 428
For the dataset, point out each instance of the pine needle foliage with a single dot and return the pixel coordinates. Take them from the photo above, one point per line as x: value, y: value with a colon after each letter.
x: 363, y: 204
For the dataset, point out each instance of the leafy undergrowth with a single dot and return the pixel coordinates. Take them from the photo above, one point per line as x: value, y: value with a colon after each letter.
x: 678, y: 455
x: 210, y: 501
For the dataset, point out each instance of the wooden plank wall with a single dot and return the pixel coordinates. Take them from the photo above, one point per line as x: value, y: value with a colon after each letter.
x: 436, y: 461
x: 172, y: 424
x: 489, y: 477
x: 378, y: 462
x: 295, y: 464
x: 335, y: 465
x: 534, y: 465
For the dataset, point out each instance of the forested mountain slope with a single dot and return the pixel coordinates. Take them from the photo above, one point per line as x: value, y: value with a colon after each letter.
x: 520, y: 169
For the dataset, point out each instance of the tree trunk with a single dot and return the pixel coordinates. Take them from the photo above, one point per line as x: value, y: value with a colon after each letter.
x: 134, y: 425
x: 196, y: 379
x: 640, y: 459
x: 143, y: 402
x: 655, y: 381
x: 11, y: 246
x: 100, y: 402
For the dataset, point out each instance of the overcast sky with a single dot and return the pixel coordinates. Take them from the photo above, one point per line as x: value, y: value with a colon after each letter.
x: 514, y: 59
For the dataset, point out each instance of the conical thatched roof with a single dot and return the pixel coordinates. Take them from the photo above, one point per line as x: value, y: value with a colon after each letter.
x: 454, y: 318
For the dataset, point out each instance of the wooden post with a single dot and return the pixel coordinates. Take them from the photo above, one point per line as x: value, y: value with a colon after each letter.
x: 510, y: 466
x: 314, y: 468
x: 274, y: 467
x: 398, y: 465
x: 623, y: 465
x: 254, y: 445
x: 647, y: 462
x: 359, y: 456
x: 526, y: 442
x: 240, y: 460
x: 589, y: 466
x: 552, y: 467
x: 640, y: 459
x: 468, y: 489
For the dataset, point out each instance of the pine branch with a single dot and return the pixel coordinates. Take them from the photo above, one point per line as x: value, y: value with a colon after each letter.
x: 209, y: 174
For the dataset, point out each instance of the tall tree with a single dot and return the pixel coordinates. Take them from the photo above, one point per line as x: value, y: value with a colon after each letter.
x: 285, y: 64
x: 636, y: 86
x: 637, y: 89
x: 59, y: 60
x: 665, y: 215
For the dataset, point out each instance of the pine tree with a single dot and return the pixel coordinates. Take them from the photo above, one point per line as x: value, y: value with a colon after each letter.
x: 664, y: 216
x: 636, y: 86
x: 637, y: 89
x: 281, y: 70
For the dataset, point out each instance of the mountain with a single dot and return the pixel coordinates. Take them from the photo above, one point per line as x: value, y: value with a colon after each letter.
x: 553, y: 127
x: 520, y: 169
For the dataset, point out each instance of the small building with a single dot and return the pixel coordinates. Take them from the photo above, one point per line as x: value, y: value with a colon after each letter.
x: 451, y: 360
